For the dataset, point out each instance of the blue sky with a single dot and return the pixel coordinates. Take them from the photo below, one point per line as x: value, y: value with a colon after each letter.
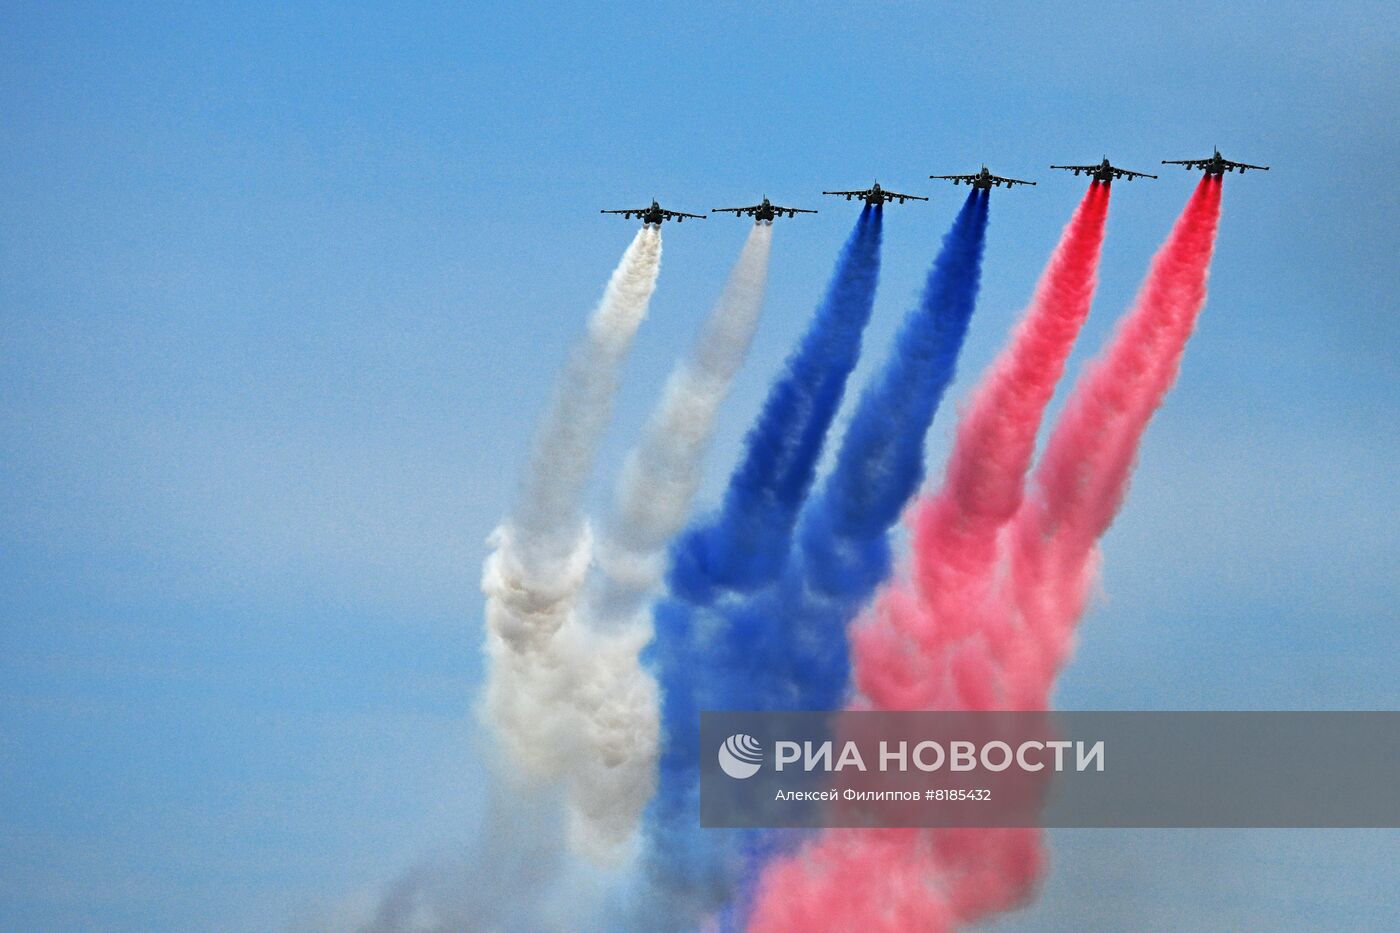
x: 281, y: 289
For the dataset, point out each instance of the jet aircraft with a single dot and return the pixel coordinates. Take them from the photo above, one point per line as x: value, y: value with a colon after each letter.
x: 654, y: 215
x: 1104, y: 172
x: 875, y: 196
x: 1215, y: 165
x: 762, y: 212
x: 983, y: 179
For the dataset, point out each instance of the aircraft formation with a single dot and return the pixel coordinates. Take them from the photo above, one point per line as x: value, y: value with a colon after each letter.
x: 1104, y: 172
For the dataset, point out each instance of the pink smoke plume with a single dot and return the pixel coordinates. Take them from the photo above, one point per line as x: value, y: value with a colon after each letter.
x: 1083, y: 476
x: 999, y: 579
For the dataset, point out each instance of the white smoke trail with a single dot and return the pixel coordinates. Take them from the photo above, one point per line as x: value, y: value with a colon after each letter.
x: 566, y: 692
x: 663, y: 472
x: 566, y: 696
x: 541, y: 553
x: 610, y: 783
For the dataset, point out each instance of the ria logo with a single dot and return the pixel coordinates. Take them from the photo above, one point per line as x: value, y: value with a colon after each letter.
x: 740, y: 756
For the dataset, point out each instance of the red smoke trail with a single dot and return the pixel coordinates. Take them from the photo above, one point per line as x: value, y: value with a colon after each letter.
x: 966, y: 634
x: 956, y: 530
x: 1083, y: 476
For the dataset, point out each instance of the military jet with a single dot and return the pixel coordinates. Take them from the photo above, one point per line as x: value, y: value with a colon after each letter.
x: 1104, y: 172
x: 983, y: 179
x: 762, y: 212
x: 875, y: 196
x: 1215, y: 165
x: 654, y: 215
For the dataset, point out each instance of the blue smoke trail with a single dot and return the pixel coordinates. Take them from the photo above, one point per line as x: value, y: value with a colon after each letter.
x: 715, y: 564
x: 784, y: 646
x: 843, y: 552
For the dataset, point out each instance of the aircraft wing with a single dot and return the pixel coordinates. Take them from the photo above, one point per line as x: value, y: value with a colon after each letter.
x: 1008, y: 182
x: 791, y: 210
x: 1189, y: 163
x: 858, y: 194
x: 955, y: 179
x: 896, y: 194
x: 1078, y: 168
x: 670, y: 214
x: 736, y: 210
x: 1245, y: 165
x: 631, y: 210
x: 1124, y: 173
